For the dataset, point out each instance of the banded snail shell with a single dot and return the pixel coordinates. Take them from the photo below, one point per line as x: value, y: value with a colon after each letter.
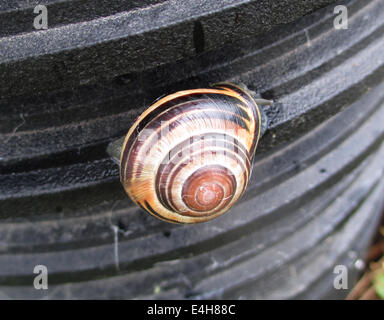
x: 188, y: 157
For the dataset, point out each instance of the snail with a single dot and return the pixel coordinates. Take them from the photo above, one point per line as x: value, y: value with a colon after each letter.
x: 188, y: 157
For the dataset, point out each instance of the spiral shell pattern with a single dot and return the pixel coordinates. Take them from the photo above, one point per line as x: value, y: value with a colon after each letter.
x: 187, y: 158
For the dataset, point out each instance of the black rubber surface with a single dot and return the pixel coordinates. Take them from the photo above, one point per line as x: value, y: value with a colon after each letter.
x: 316, y: 191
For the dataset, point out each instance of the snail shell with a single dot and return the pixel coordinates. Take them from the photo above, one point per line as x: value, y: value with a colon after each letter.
x: 188, y: 157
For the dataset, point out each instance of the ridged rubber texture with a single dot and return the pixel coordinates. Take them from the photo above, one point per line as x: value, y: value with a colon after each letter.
x: 316, y: 191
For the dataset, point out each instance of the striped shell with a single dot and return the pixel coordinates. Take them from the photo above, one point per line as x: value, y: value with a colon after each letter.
x: 187, y: 158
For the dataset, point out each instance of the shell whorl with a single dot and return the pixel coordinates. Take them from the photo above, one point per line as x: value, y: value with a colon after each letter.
x: 187, y: 158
